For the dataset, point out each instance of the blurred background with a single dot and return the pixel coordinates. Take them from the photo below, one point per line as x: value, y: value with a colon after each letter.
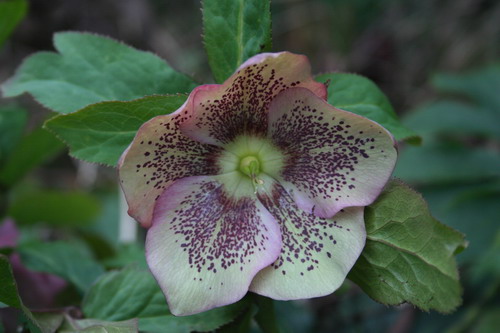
x: 438, y: 62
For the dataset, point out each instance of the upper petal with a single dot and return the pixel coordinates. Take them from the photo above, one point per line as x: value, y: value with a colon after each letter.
x: 239, y: 105
x: 334, y: 158
x: 316, y: 254
x: 210, y: 236
x: 160, y: 154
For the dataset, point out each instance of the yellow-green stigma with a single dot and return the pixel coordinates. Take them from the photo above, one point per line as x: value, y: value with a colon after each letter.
x: 250, y: 166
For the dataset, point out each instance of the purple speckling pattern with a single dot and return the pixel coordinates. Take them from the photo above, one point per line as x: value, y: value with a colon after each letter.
x: 304, y: 235
x: 159, y: 155
x: 170, y: 155
x: 329, y: 153
x: 206, y: 242
x: 217, y: 231
x: 240, y: 105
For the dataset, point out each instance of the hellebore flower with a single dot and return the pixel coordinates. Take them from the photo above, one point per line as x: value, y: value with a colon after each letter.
x: 255, y: 184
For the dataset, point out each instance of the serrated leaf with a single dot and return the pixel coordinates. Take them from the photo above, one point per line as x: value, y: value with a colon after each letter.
x: 90, y: 69
x: 11, y: 13
x: 101, y: 132
x: 99, y: 326
x: 62, y: 209
x: 235, y: 30
x: 409, y: 255
x: 201, y: 322
x: 133, y: 293
x: 9, y: 294
x: 12, y: 122
x: 70, y: 261
x: 481, y: 85
x: 360, y: 95
x: 125, y: 294
x: 35, y: 148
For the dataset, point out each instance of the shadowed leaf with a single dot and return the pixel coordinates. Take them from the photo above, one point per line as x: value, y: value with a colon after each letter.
x: 90, y: 69
x: 11, y: 13
x: 101, y: 132
x: 134, y: 293
x: 235, y: 30
x: 360, y: 95
x: 409, y: 255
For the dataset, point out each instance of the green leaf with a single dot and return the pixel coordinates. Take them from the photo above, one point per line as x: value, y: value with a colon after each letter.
x: 454, y: 118
x: 11, y: 13
x: 101, y: 132
x: 360, y: 95
x: 12, y: 122
x: 235, y: 30
x: 201, y: 322
x: 9, y: 294
x: 62, y: 209
x: 446, y: 163
x: 49, y: 322
x: 125, y: 294
x: 409, y: 255
x: 481, y: 85
x: 69, y: 260
x: 8, y: 288
x: 266, y: 316
x: 35, y: 148
x: 487, y: 263
x: 90, y: 69
x: 127, y: 254
x: 133, y: 293
x: 488, y: 321
x: 99, y: 326
x: 243, y: 323
x: 457, y: 205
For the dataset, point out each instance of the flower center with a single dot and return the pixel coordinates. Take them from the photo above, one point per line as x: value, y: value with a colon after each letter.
x: 250, y: 166
x: 251, y: 157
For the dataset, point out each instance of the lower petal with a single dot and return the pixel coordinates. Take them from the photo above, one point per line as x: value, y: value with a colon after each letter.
x: 316, y: 254
x: 210, y: 236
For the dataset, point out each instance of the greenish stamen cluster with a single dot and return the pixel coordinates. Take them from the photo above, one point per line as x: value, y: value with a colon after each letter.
x: 250, y: 166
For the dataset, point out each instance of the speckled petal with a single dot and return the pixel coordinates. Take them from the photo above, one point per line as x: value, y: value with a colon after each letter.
x: 316, y: 253
x: 210, y: 236
x: 333, y: 158
x: 160, y: 154
x: 239, y: 106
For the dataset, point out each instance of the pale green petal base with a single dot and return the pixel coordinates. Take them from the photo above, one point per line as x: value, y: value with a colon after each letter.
x: 270, y: 158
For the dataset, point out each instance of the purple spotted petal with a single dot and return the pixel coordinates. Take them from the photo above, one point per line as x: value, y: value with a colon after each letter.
x: 334, y: 158
x: 159, y: 155
x: 239, y: 106
x: 209, y: 238
x: 316, y: 254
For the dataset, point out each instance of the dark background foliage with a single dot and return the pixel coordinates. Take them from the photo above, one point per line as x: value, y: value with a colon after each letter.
x: 403, y: 46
